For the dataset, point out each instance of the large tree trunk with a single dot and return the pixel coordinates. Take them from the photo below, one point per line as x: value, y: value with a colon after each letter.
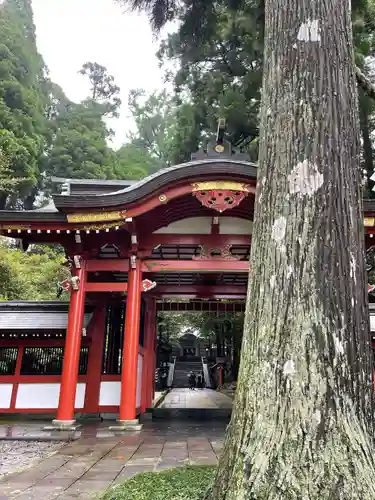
x: 302, y: 424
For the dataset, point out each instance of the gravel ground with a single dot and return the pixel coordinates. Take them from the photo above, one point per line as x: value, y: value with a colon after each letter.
x: 15, y: 455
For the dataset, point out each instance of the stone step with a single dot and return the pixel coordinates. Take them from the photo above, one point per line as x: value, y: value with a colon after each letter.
x: 181, y: 371
x: 188, y: 363
x: 187, y: 370
x: 191, y: 414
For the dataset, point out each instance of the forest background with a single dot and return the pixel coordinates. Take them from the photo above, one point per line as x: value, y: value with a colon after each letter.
x: 218, y: 73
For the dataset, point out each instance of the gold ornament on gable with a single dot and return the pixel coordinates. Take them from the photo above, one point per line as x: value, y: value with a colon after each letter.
x: 96, y: 217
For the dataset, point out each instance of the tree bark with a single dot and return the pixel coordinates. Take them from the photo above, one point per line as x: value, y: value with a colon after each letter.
x: 302, y: 423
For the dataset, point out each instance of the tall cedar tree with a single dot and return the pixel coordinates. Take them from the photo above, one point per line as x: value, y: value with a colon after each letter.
x: 302, y: 425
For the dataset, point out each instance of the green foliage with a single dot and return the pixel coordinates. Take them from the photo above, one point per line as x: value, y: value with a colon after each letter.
x: 218, y: 50
x: 31, y: 275
x: 132, y: 162
x: 186, y: 483
x: 205, y: 324
x: 43, y: 133
x: 220, y: 68
x: 167, y: 131
x: 79, y: 148
x: 79, y: 143
x: 104, y: 91
x: 171, y: 325
x: 22, y: 101
x: 8, y: 183
x: 154, y: 117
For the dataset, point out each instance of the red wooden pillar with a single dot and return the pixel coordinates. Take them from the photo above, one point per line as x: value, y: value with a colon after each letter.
x: 220, y: 370
x: 94, y: 367
x: 17, y: 373
x: 69, y: 377
x: 146, y: 357
x: 128, y: 397
x: 152, y: 351
x: 154, y: 338
x: 148, y: 373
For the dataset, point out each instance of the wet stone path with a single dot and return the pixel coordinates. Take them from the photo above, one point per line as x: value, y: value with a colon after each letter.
x: 97, y: 460
x: 197, y: 398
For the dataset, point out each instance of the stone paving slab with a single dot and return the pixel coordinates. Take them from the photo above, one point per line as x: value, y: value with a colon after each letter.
x: 196, y: 399
x: 90, y: 465
x: 30, y: 431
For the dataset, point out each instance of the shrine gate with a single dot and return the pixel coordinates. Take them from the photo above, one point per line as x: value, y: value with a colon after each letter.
x: 183, y: 232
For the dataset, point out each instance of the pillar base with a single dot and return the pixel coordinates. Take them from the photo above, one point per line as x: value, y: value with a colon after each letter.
x: 62, y: 425
x: 126, y: 425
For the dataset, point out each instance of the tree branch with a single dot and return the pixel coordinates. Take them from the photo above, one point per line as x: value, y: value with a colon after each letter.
x: 365, y: 83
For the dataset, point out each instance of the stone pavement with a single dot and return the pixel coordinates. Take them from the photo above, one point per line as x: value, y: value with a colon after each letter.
x: 186, y: 398
x: 33, y: 430
x: 99, y: 459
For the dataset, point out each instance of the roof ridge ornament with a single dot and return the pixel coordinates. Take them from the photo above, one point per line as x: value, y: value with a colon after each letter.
x: 221, y: 148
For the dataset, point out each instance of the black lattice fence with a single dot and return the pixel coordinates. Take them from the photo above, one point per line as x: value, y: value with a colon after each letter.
x: 49, y: 361
x: 8, y: 360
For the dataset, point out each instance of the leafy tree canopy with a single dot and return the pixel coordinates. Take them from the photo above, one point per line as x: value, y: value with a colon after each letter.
x: 218, y: 50
x: 104, y: 91
x: 31, y: 275
x: 22, y: 101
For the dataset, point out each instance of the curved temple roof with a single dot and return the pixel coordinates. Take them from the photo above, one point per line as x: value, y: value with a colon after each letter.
x: 204, y: 169
x: 134, y: 192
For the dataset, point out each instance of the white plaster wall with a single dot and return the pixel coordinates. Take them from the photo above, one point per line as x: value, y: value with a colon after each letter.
x: 45, y: 396
x: 372, y: 322
x: 109, y: 394
x: 5, y: 395
x: 139, y: 380
x: 235, y: 225
x: 191, y: 225
x: 202, y: 225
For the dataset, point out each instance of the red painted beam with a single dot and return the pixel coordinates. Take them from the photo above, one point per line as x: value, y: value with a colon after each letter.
x: 98, y: 287
x: 106, y: 287
x: 120, y: 265
x: 210, y: 266
x: 195, y: 239
x: 173, y: 290
x: 200, y: 290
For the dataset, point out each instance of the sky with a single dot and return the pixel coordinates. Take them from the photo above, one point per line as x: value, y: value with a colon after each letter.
x: 71, y: 32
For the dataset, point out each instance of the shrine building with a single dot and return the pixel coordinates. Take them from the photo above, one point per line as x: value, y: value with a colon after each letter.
x: 183, y: 233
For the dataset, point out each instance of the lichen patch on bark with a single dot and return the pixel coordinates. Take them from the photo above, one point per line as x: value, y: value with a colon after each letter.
x: 309, y: 31
x: 353, y: 268
x: 339, y: 346
x: 279, y: 230
x: 272, y: 281
x: 289, y: 368
x: 305, y: 179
